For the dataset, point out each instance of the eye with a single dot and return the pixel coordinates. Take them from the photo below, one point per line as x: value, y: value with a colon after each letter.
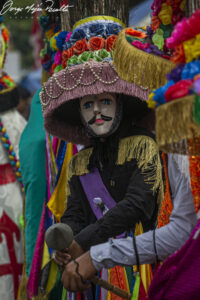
x: 87, y: 105
x: 106, y: 101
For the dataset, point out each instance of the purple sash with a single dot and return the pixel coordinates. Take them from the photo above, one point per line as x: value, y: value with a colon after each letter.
x: 98, y: 196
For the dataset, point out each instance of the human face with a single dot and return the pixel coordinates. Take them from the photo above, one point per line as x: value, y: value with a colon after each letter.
x: 98, y: 111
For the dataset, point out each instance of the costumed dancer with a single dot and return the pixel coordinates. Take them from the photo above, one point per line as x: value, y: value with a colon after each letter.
x: 11, y: 187
x: 116, y: 181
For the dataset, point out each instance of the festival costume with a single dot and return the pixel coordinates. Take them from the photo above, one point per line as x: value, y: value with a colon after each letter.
x: 136, y: 158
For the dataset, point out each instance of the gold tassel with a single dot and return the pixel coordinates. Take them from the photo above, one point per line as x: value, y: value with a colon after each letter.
x: 145, y: 151
x: 134, y: 65
x: 141, y: 148
x: 175, y: 125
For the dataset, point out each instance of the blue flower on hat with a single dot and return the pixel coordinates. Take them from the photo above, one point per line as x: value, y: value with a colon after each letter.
x: 190, y: 70
x: 175, y: 74
x: 44, y: 22
x: 113, y: 29
x: 159, y: 94
x: 96, y: 30
x: 60, y: 39
x: 77, y: 34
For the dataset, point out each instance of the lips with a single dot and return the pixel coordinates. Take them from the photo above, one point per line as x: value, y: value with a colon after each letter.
x: 99, y: 121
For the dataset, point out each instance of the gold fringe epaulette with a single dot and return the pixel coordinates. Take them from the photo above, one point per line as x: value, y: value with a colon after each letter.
x: 175, y: 127
x: 134, y: 65
x: 141, y: 148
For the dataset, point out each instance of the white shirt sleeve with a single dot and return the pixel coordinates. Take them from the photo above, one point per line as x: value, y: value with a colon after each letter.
x: 168, y: 238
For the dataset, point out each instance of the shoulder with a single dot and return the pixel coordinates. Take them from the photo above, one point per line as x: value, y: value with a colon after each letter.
x: 139, y: 147
x: 79, y: 162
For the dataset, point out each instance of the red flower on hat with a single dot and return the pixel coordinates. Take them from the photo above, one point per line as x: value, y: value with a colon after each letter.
x: 178, y: 90
x: 96, y: 43
x: 136, y: 33
x: 155, y: 22
x: 80, y: 47
x: 66, y: 55
x: 109, y: 43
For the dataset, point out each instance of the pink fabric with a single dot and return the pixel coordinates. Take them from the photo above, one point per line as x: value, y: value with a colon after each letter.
x: 34, y: 277
x: 179, y: 276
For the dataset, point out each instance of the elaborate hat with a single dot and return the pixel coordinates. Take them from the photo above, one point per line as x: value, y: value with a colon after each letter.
x: 141, y: 55
x: 89, y: 70
x: 178, y: 102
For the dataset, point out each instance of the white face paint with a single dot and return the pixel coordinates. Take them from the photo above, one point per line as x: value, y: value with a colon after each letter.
x: 99, y: 111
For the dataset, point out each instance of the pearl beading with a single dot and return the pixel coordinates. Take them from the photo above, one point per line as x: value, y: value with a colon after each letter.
x: 78, y: 81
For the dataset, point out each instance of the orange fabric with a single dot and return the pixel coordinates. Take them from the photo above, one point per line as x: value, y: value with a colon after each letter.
x: 167, y: 207
x: 118, y: 279
x: 195, y: 179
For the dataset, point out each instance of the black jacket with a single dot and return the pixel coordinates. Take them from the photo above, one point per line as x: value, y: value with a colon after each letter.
x: 134, y: 198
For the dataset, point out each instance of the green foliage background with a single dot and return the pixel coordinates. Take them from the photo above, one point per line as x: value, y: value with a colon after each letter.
x: 20, y: 28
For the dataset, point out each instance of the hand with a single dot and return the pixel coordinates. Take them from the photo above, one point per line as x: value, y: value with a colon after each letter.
x: 72, y: 280
x: 62, y: 258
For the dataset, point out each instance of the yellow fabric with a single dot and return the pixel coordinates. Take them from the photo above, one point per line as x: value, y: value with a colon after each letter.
x: 52, y: 277
x: 109, y: 280
x: 145, y: 270
x: 97, y: 18
x: 45, y: 256
x: 3, y: 50
x: 57, y: 201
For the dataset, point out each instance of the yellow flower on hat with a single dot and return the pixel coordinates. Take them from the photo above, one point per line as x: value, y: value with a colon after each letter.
x: 49, y: 33
x: 165, y: 14
x: 150, y: 102
x: 192, y: 48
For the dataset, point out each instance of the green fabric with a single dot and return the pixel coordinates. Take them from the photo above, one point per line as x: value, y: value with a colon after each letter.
x: 136, y: 288
x: 32, y: 154
x: 57, y: 291
x: 196, y: 111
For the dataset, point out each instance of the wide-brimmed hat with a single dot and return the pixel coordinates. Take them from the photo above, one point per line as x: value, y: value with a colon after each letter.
x: 89, y: 71
x: 178, y: 102
x: 141, y: 54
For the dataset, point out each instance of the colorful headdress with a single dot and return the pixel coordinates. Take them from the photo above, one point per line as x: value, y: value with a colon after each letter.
x: 4, y: 37
x: 141, y: 54
x: 89, y: 70
x: 178, y: 102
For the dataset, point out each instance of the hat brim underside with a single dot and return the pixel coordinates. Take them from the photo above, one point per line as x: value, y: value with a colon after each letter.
x: 60, y: 95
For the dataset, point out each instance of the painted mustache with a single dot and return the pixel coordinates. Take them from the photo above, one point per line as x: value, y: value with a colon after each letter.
x: 105, y: 118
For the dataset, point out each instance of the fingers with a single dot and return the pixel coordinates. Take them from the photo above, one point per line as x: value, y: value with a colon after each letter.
x: 72, y: 282
x: 61, y: 258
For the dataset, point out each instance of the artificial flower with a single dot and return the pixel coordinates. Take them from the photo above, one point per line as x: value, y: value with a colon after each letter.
x: 96, y: 43
x: 165, y: 14
x: 49, y: 33
x: 159, y: 94
x: 158, y: 39
x: 60, y: 39
x: 190, y: 70
x: 109, y: 43
x: 136, y: 33
x: 178, y: 55
x: 80, y: 46
x: 5, y: 34
x: 196, y: 85
x: 192, y: 48
x: 58, y: 68
x: 77, y: 34
x: 113, y: 29
x: 68, y: 37
x: 52, y: 42
x: 73, y: 60
x: 150, y: 102
x: 85, y: 56
x: 96, y: 30
x: 178, y: 90
x: 156, y: 7
x: 58, y: 58
x: 155, y: 22
x: 140, y: 45
x: 175, y: 74
x: 66, y: 55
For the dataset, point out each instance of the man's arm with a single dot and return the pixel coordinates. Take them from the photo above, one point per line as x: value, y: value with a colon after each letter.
x: 168, y: 239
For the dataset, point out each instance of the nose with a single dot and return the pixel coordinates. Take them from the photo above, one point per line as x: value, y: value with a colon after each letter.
x: 97, y: 108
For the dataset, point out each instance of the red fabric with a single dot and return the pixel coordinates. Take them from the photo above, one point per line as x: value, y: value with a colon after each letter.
x: 9, y: 229
x: 6, y: 174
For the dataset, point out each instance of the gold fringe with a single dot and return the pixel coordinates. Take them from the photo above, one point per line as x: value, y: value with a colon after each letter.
x: 45, y: 76
x: 133, y: 65
x: 141, y: 148
x: 175, y: 126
